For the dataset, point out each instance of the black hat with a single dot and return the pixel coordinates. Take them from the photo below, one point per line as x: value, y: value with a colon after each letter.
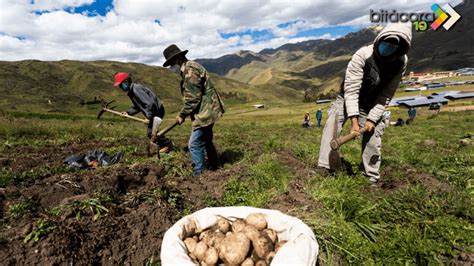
x: 171, y: 52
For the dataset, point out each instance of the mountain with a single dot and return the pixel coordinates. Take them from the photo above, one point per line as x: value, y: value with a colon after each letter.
x: 317, y: 66
x: 70, y: 86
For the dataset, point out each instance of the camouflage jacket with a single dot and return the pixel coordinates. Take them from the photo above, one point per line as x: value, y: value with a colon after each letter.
x: 200, y: 99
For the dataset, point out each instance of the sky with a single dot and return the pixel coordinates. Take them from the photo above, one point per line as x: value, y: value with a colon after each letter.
x: 139, y: 30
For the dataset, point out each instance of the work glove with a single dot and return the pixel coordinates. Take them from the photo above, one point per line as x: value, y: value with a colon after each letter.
x: 179, y: 120
x: 369, y: 125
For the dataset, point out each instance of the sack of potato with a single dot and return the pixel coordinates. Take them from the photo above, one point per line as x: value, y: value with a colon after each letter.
x: 239, y: 236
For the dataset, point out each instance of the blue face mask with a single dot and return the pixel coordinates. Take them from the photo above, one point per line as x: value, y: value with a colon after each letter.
x: 387, y: 49
x: 124, y: 86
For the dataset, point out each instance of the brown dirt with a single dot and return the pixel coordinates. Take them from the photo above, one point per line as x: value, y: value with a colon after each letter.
x: 132, y: 230
x: 412, y: 176
x: 130, y: 233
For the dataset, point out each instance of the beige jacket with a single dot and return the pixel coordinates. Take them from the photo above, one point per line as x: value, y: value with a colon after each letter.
x: 370, y: 81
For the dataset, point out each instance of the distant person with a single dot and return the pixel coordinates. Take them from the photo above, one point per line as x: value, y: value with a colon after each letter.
x: 306, y: 120
x: 399, y: 122
x: 144, y: 100
x: 319, y: 116
x: 412, y: 113
x: 201, y: 103
x: 371, y: 79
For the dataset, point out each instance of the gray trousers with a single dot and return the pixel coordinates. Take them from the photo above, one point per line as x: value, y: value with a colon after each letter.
x: 371, y: 142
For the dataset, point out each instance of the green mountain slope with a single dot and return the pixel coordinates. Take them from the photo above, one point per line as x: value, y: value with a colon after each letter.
x: 69, y: 86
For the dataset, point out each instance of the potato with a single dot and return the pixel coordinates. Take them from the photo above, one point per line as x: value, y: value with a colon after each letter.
x: 271, y: 234
x: 217, y: 239
x: 270, y: 257
x: 190, y: 244
x: 200, y: 250
x: 196, y: 237
x: 279, y: 245
x: 262, y: 246
x: 247, y: 262
x: 228, y: 234
x: 251, y: 232
x: 257, y: 219
x: 261, y: 263
x: 235, y: 248
x: 205, y: 236
x: 238, y: 225
x: 223, y: 225
x: 211, y: 257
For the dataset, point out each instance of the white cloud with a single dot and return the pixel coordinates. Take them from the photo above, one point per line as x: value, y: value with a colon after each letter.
x: 128, y: 32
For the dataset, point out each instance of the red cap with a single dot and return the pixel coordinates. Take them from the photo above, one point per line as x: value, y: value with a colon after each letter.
x: 119, y: 77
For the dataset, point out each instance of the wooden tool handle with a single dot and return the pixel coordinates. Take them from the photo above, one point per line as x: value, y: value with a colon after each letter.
x: 127, y: 116
x: 165, y: 130
x: 336, y: 143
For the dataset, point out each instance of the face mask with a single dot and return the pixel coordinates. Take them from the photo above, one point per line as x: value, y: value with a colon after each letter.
x: 124, y: 86
x: 387, y: 49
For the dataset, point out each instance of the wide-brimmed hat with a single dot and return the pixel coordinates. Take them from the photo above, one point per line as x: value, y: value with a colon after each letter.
x: 171, y: 52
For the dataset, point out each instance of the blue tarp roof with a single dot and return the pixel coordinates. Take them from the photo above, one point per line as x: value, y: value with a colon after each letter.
x: 397, y: 101
x: 445, y: 92
x: 459, y: 96
x: 422, y: 102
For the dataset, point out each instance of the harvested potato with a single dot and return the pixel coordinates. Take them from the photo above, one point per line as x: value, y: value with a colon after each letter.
x: 261, y: 263
x: 211, y: 257
x: 257, y: 219
x: 279, y: 245
x: 190, y: 244
x: 270, y: 233
x: 238, y: 225
x: 235, y: 248
x: 270, y: 257
x: 262, y: 246
x: 217, y: 239
x: 200, y: 250
x: 205, y: 236
x: 251, y: 232
x: 228, y: 234
x: 223, y: 225
x: 247, y: 262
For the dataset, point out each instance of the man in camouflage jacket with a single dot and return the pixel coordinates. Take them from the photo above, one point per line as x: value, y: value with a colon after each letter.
x: 201, y: 103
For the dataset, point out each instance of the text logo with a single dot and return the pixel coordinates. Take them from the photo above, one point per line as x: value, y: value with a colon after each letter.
x: 443, y: 18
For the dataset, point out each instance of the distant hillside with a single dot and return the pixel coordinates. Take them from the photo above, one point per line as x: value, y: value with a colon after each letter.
x: 64, y: 86
x: 317, y: 66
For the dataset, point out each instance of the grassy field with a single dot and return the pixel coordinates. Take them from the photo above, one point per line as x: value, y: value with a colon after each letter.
x: 421, y: 213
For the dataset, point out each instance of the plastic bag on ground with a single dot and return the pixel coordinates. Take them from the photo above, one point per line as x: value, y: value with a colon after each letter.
x: 301, y: 248
x: 92, y: 158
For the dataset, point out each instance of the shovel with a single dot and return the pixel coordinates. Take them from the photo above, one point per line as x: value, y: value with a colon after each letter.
x: 156, y: 135
x: 335, y: 162
x: 109, y: 109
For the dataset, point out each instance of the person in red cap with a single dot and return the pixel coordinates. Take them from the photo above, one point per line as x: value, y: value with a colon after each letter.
x: 144, y: 100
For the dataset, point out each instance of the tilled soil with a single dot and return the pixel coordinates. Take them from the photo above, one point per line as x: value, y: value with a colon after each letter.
x: 142, y: 203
